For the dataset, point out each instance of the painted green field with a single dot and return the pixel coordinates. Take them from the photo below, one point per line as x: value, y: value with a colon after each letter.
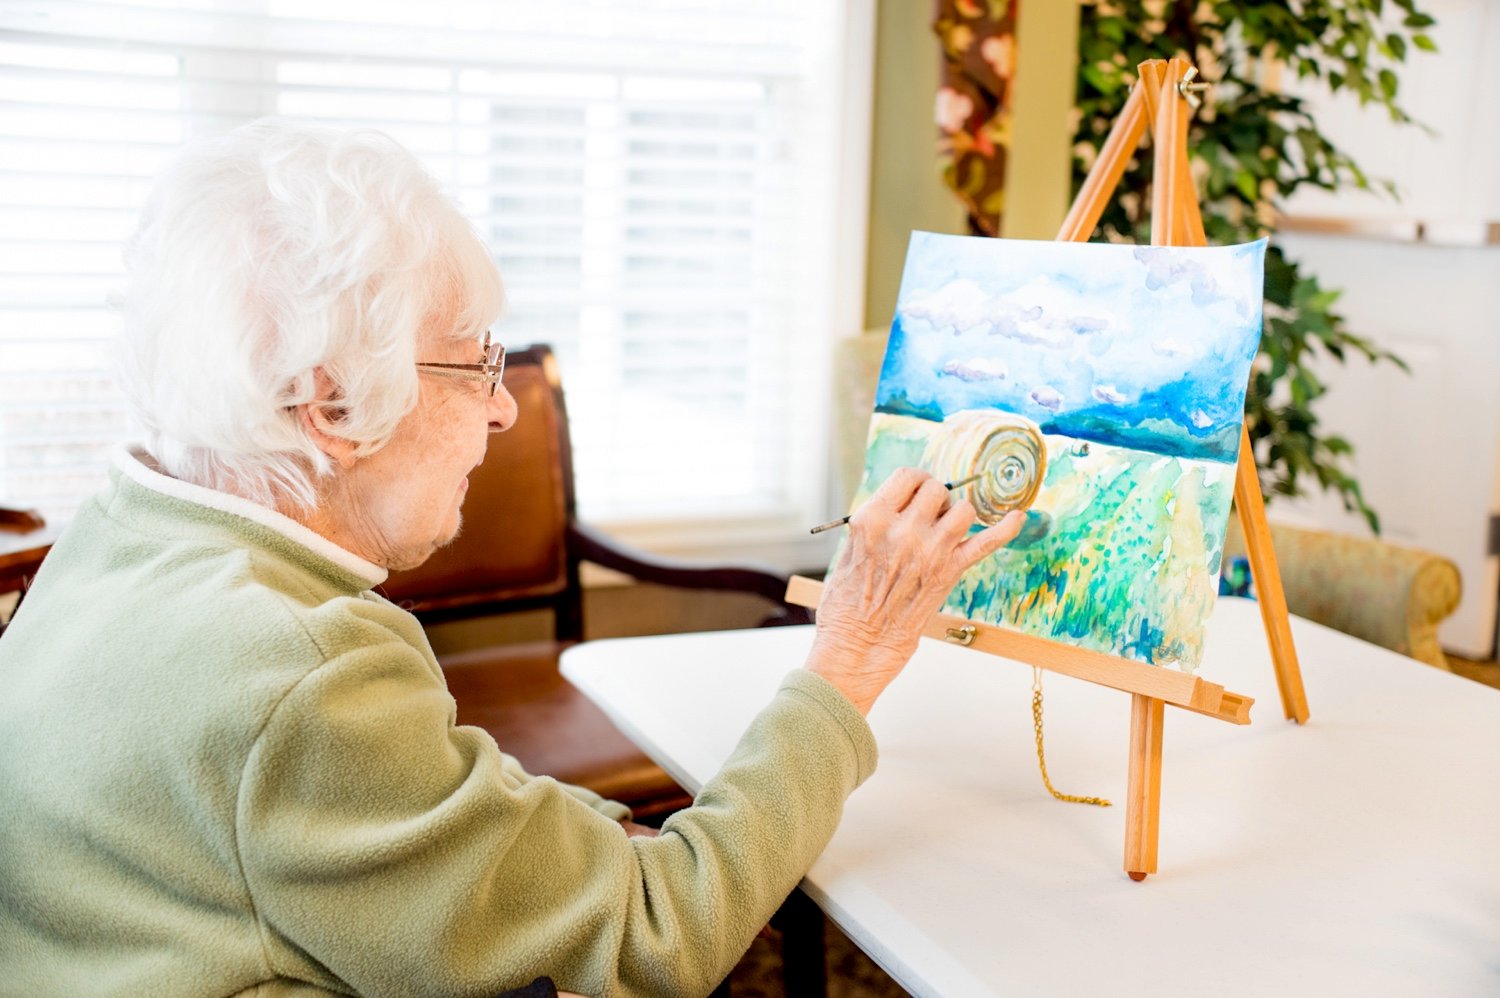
x: 1120, y: 553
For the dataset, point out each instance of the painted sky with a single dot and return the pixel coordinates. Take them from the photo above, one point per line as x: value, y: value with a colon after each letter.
x: 1141, y: 346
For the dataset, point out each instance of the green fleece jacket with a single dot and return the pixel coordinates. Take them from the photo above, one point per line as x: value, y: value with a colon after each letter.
x: 228, y: 767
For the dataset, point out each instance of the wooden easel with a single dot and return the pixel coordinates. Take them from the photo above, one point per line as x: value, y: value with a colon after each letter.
x: 1158, y: 100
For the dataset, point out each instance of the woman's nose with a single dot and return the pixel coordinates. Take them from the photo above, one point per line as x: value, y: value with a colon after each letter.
x: 502, y: 410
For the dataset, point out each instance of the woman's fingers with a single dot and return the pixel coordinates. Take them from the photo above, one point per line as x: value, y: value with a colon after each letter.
x: 915, y: 493
x: 896, y: 492
x: 906, y: 548
x: 912, y: 521
x: 956, y: 520
x: 990, y: 540
x: 928, y: 503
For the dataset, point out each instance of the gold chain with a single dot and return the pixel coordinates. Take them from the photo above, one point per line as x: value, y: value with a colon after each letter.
x: 1041, y: 757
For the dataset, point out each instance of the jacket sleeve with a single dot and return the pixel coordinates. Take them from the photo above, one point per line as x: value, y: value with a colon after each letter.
x: 403, y: 855
x: 611, y: 809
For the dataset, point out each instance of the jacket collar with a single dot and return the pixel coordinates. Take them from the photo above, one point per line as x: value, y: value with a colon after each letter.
x: 141, y: 468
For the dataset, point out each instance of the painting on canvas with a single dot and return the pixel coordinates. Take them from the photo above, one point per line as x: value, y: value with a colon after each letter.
x: 1099, y: 387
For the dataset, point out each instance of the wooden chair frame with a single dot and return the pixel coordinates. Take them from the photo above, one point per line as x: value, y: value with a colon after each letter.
x: 582, y: 543
x: 25, y: 540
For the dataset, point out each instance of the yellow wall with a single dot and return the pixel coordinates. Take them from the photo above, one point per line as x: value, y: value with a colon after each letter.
x: 906, y: 188
x: 1039, y: 169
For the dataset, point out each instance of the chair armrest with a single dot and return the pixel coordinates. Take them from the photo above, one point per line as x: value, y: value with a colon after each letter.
x: 602, y: 550
x: 20, y: 521
x: 1436, y: 588
x: 1384, y: 593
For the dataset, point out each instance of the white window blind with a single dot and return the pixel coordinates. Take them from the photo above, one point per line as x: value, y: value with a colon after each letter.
x: 654, y: 178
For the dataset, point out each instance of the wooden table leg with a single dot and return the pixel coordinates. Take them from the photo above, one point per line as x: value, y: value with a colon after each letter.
x: 1143, y: 797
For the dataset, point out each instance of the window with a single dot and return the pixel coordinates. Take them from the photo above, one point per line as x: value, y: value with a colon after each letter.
x: 669, y: 187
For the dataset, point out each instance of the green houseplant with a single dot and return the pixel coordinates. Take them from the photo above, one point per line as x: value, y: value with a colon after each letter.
x: 1252, y: 146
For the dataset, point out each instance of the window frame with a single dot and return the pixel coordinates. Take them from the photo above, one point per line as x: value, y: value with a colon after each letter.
x: 830, y: 254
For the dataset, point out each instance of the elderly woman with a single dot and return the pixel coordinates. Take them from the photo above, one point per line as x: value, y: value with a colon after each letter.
x: 228, y: 766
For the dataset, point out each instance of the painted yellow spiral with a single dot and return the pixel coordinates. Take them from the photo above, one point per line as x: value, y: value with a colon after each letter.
x: 1007, y: 452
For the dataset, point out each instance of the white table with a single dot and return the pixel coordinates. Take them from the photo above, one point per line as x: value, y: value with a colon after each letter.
x: 1358, y: 855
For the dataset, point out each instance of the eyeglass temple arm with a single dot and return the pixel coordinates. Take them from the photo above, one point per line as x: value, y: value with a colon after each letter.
x: 459, y: 370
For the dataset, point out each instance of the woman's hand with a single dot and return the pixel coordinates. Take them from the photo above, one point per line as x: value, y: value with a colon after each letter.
x: 906, y: 549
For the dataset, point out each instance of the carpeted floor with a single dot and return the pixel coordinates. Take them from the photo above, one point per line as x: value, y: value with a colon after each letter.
x: 1487, y: 673
x: 851, y: 974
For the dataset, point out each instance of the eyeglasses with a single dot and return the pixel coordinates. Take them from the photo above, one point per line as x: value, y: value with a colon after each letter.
x: 490, y: 369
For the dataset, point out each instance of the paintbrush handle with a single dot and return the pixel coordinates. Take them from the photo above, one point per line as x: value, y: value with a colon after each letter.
x: 829, y: 525
x: 843, y: 520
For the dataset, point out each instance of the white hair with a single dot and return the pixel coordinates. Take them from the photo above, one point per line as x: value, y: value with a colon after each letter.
x: 272, y: 252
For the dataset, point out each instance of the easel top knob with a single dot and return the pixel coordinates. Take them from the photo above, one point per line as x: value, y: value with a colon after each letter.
x: 1191, y: 90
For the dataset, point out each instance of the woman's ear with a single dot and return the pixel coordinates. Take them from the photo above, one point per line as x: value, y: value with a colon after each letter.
x: 321, y: 419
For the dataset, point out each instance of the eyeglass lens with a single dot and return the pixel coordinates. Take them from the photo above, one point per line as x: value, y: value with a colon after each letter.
x: 494, y: 356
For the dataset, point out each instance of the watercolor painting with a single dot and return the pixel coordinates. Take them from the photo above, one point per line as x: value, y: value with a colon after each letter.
x: 1102, y: 389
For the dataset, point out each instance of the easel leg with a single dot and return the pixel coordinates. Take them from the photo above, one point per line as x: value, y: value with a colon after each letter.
x: 1176, y: 220
x: 1267, y: 575
x: 1143, y: 797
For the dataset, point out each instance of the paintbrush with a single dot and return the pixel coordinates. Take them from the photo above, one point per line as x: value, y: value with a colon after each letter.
x: 843, y: 520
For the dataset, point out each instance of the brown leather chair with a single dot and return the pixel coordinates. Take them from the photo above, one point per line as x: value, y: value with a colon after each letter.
x: 520, y: 549
x: 25, y: 540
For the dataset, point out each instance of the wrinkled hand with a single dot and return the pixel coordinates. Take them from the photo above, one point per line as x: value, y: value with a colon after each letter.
x: 905, y: 551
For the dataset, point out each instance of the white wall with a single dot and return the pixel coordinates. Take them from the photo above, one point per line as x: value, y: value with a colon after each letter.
x: 1422, y: 278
